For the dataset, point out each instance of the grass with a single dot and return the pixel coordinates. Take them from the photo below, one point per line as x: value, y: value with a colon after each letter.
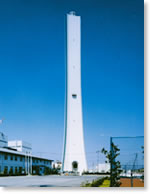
x: 100, y: 182
x: 106, y: 183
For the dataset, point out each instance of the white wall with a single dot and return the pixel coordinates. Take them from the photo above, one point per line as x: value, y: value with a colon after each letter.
x: 21, y: 146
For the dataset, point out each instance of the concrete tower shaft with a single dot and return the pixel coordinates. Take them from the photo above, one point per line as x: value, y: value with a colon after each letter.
x: 74, y: 152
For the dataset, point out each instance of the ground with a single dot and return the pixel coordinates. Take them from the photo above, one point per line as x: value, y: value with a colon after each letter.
x: 126, y: 182
x: 45, y: 181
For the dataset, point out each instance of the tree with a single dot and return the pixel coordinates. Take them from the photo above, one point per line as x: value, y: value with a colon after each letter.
x: 11, y: 171
x: 46, y: 171
x: 115, y: 165
x: 16, y: 171
x: 5, y: 171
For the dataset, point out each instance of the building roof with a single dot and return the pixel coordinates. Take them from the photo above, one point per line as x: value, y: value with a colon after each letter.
x: 4, y: 150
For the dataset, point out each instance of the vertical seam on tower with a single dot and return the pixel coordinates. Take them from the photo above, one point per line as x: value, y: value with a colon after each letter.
x: 64, y: 153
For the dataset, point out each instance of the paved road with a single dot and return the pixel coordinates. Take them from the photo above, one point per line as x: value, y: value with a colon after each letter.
x: 45, y: 181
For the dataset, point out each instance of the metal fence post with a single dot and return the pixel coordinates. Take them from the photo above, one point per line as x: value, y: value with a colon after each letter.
x: 111, y: 151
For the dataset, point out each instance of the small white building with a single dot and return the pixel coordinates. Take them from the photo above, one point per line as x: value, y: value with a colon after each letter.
x: 57, y: 165
x: 103, y: 168
x: 20, y: 146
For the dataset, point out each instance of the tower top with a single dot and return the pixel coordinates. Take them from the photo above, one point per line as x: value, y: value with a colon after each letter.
x: 72, y: 13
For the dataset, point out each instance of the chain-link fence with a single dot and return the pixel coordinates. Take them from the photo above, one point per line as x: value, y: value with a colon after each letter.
x: 131, y: 157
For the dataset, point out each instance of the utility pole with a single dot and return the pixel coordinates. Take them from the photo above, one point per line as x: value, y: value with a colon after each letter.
x: 28, y: 163
x: 31, y: 162
x: 25, y: 163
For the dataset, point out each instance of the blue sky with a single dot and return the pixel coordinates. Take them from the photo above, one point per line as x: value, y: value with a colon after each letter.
x: 32, y: 71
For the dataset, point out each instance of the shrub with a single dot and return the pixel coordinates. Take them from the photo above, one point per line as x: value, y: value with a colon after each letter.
x: 95, y: 183
x: 11, y: 171
x: 5, y: 171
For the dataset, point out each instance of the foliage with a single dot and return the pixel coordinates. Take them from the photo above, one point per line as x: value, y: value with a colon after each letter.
x: 20, y: 171
x: 5, y: 171
x: 49, y: 171
x: 115, y: 165
x: 46, y: 171
x: 54, y: 171
x: 35, y: 170
x: 95, y: 183
x: 16, y: 171
x: 106, y: 183
x: 94, y: 173
x: 11, y: 171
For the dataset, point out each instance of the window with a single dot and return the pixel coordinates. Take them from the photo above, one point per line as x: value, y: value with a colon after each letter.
x: 6, y: 157
x: 11, y: 157
x: 15, y: 158
x: 20, y: 158
x: 74, y: 96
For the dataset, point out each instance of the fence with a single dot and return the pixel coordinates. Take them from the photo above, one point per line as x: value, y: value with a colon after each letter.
x: 131, y: 156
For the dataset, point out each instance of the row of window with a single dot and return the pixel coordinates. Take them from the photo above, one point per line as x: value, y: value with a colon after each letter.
x: 12, y: 169
x: 37, y: 161
x: 13, y: 157
x: 20, y: 158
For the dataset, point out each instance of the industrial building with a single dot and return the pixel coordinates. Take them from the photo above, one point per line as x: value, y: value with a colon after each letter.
x: 16, y: 158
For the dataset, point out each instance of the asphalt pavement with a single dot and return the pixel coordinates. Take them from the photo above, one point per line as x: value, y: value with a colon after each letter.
x: 45, y: 181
